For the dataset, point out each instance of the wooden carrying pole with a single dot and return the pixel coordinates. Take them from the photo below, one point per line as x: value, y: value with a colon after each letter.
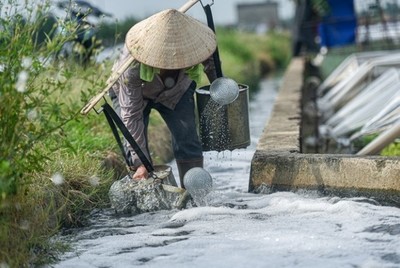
x: 187, y: 6
x: 110, y: 82
x: 114, y: 78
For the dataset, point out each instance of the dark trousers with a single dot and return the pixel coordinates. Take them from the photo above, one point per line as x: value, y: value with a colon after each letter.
x: 182, y: 124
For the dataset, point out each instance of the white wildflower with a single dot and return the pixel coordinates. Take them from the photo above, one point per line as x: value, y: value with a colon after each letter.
x: 94, y: 180
x: 25, y: 225
x: 32, y: 114
x: 103, y: 66
x: 4, y: 265
x: 61, y: 64
x: 21, y: 82
x: 57, y: 179
x: 18, y: 206
x: 26, y: 62
x: 60, y: 77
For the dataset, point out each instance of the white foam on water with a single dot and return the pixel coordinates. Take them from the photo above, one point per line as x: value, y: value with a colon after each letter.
x: 243, y: 230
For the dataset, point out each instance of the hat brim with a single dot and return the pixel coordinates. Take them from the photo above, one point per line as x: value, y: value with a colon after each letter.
x: 170, y: 40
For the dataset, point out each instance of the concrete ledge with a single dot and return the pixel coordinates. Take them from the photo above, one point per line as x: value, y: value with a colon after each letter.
x: 279, y: 164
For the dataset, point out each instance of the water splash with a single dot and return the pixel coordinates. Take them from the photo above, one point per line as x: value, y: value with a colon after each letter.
x: 214, y: 124
x: 198, y: 183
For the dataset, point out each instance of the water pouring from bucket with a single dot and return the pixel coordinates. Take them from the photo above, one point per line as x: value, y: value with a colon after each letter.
x: 222, y: 109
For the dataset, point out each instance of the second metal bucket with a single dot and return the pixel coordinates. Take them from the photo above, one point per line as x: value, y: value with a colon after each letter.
x: 223, y: 127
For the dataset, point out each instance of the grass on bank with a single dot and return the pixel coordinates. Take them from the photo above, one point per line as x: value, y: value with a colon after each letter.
x: 52, y: 168
x: 248, y: 57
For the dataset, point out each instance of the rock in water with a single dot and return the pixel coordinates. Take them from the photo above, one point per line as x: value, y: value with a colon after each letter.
x: 128, y: 196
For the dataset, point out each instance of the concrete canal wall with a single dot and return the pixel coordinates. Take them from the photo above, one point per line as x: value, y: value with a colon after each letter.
x: 280, y: 164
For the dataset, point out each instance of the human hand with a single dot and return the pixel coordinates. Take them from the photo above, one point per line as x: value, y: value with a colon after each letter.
x: 141, y: 173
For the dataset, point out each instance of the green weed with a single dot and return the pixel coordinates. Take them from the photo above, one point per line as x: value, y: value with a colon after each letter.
x: 50, y: 167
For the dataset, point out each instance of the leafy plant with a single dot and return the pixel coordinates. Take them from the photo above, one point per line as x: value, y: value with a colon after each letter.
x: 42, y: 134
x: 392, y: 149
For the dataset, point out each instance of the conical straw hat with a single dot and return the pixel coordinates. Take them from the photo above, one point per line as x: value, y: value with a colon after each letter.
x: 170, y: 40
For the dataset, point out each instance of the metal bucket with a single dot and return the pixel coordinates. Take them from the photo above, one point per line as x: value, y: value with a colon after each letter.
x: 223, y: 127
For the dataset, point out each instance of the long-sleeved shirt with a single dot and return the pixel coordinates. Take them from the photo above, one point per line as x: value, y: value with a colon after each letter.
x: 133, y: 95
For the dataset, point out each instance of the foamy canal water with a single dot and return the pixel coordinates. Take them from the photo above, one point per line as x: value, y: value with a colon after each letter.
x: 239, y: 229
